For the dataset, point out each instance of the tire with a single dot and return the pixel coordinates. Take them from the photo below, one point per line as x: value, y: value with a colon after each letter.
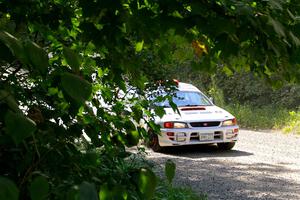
x: 226, y: 146
x: 154, y: 143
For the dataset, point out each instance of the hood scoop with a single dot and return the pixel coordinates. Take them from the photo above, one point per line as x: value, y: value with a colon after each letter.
x: 192, y: 108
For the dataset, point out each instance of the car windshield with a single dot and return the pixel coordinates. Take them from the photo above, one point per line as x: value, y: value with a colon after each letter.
x: 186, y: 98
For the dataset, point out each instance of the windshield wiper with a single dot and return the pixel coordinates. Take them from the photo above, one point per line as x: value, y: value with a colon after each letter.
x: 190, y: 105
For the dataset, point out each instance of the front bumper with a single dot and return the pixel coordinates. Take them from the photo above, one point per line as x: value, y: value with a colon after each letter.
x: 189, y: 136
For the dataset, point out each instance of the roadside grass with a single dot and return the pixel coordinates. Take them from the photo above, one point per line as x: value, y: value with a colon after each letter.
x: 167, y: 192
x: 266, y: 117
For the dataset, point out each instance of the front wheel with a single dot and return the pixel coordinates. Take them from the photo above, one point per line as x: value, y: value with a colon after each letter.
x: 226, y: 146
x: 154, y: 143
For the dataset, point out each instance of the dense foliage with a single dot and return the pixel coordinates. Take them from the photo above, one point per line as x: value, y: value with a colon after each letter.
x: 70, y: 67
x: 256, y: 102
x: 248, y: 89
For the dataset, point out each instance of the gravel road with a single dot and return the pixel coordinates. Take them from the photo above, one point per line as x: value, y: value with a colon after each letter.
x: 262, y: 165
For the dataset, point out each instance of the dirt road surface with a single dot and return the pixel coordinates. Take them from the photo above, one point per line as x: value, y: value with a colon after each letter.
x: 261, y: 166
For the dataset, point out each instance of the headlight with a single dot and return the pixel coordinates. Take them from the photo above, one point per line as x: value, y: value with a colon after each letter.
x: 175, y: 125
x: 230, y: 122
x: 180, y: 125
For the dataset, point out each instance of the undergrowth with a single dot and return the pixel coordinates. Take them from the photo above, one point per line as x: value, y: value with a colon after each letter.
x: 266, y: 117
x: 164, y: 192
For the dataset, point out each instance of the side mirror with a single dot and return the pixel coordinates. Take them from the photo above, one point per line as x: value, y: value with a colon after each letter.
x: 212, y: 100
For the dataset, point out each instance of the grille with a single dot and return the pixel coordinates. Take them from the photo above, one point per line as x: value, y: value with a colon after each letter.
x: 204, y: 124
x: 194, y: 137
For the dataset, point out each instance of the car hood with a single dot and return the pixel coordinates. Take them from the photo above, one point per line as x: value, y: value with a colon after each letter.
x: 194, y: 114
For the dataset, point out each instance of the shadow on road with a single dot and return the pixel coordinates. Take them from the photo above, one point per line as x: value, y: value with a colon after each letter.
x: 227, y: 175
x: 203, y: 151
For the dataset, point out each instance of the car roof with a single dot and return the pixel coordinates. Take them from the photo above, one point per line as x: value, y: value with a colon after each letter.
x: 187, y: 87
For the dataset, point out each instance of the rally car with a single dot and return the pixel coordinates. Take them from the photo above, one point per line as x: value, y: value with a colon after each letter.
x: 198, y: 121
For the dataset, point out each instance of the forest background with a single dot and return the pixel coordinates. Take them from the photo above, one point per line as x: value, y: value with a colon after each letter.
x: 61, y: 59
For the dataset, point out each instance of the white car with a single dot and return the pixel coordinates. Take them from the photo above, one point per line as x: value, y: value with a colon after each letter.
x: 199, y: 121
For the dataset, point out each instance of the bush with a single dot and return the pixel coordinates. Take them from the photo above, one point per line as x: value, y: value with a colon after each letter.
x: 265, y: 117
x: 293, y: 125
x: 247, y: 89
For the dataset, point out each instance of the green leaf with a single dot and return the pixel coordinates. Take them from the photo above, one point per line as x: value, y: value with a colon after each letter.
x: 76, y: 87
x: 227, y: 71
x: 140, y: 81
x: 8, y: 190
x: 295, y: 39
x: 105, y: 193
x: 159, y: 111
x: 37, y: 56
x: 139, y: 46
x: 14, y: 45
x: 8, y: 98
x: 155, y: 127
x: 174, y: 106
x: 72, y: 58
x: 275, y: 4
x: 278, y: 27
x: 87, y: 191
x: 170, y: 170
x: 39, y: 188
x: 52, y: 91
x: 132, y: 138
x: 146, y: 183
x: 137, y: 113
x: 18, y: 126
x: 117, y: 192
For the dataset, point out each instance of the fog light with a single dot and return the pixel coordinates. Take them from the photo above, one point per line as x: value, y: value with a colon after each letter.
x: 232, y: 131
x: 230, y: 134
x: 170, y: 133
x: 180, y: 137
